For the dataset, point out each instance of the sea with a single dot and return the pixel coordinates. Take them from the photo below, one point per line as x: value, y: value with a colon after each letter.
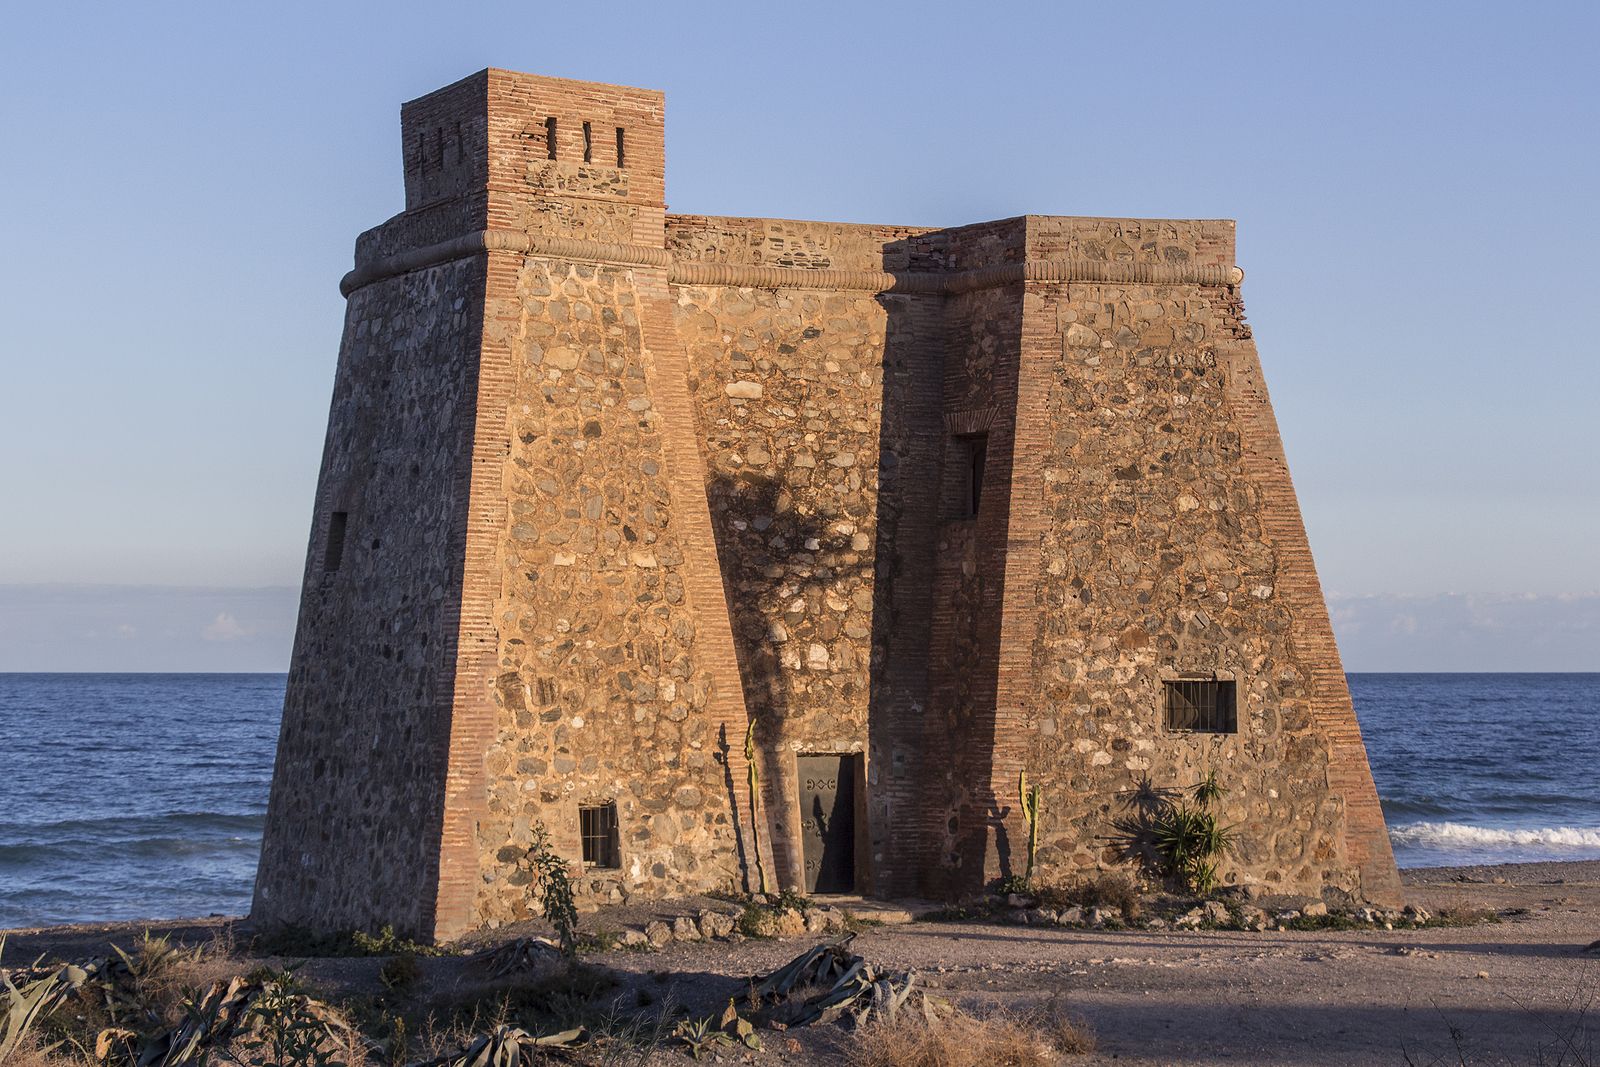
x: 142, y: 796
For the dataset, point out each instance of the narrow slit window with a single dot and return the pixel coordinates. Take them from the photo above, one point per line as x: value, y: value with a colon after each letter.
x: 550, y: 137
x: 621, y: 154
x: 972, y: 455
x: 1206, y: 707
x: 334, y: 552
x: 597, y: 823
x: 588, y: 143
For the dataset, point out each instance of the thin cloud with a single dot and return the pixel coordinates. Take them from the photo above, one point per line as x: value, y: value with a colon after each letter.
x: 226, y: 628
x: 1467, y: 631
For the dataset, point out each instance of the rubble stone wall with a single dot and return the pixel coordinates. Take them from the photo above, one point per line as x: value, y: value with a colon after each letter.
x: 1161, y: 556
x: 600, y: 694
x: 1154, y: 559
x: 352, y: 832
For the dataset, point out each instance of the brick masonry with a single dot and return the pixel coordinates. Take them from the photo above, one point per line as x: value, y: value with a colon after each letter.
x: 617, y: 484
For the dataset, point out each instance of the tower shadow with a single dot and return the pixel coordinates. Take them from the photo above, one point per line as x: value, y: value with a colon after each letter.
x: 758, y: 532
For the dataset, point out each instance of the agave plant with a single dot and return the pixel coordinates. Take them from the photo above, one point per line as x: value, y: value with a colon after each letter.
x: 37, y: 997
x: 516, y: 957
x: 700, y: 1037
x: 507, y: 1046
x: 1190, y: 840
x: 849, y: 984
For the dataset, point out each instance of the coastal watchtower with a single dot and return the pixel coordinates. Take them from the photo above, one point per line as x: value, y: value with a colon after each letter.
x: 512, y: 551
x: 607, y: 491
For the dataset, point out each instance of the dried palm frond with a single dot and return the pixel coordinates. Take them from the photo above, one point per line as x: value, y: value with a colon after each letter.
x: 507, y: 1046
x: 515, y: 957
x: 849, y: 985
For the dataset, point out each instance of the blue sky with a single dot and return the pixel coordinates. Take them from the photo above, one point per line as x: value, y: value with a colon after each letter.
x: 1413, y: 184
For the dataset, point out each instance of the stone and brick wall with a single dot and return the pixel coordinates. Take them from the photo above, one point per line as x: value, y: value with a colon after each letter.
x: 600, y: 694
x: 358, y: 790
x: 620, y: 484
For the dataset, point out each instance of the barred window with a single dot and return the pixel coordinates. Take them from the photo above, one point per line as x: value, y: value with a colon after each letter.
x: 1202, y: 707
x: 597, y: 823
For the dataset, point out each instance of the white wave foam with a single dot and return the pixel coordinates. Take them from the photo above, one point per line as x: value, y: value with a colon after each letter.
x: 1459, y: 835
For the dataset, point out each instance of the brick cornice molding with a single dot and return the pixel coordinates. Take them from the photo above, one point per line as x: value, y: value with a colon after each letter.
x: 681, y: 272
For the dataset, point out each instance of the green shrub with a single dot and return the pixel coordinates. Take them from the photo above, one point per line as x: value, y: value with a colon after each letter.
x: 555, y: 890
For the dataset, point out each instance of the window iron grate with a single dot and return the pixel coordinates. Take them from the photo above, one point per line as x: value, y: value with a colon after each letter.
x: 1202, y: 707
x: 597, y: 824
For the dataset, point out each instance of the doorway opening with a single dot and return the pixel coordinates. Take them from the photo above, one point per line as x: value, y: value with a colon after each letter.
x: 828, y: 821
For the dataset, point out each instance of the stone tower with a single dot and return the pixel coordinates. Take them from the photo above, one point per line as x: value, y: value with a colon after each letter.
x: 604, y: 487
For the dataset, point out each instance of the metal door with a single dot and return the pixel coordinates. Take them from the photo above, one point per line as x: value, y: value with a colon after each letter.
x: 828, y: 822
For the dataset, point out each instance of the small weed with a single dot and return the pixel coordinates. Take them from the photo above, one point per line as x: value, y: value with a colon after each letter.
x: 300, y: 942
x: 1334, y: 920
x: 387, y: 943
x: 789, y: 900
x: 1453, y: 915
x: 1015, y: 883
x: 956, y: 913
x: 400, y: 973
x: 753, y: 921
x: 603, y: 939
x: 1069, y: 1033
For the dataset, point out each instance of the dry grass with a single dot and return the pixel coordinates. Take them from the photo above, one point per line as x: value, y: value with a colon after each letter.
x: 1108, y: 890
x: 1000, y: 1040
x: 149, y: 995
x: 1069, y: 1034
x: 31, y: 1055
x: 165, y: 978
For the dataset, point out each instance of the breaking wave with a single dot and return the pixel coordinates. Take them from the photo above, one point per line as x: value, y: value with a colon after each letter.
x: 1448, y: 835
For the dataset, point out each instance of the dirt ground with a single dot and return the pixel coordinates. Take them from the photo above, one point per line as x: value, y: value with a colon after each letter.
x: 1521, y: 991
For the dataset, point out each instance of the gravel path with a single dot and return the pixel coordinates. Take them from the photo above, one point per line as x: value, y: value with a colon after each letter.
x: 1514, y: 992
x: 1504, y: 993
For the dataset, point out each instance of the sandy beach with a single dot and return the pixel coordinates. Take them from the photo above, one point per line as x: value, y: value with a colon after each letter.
x: 1516, y: 991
